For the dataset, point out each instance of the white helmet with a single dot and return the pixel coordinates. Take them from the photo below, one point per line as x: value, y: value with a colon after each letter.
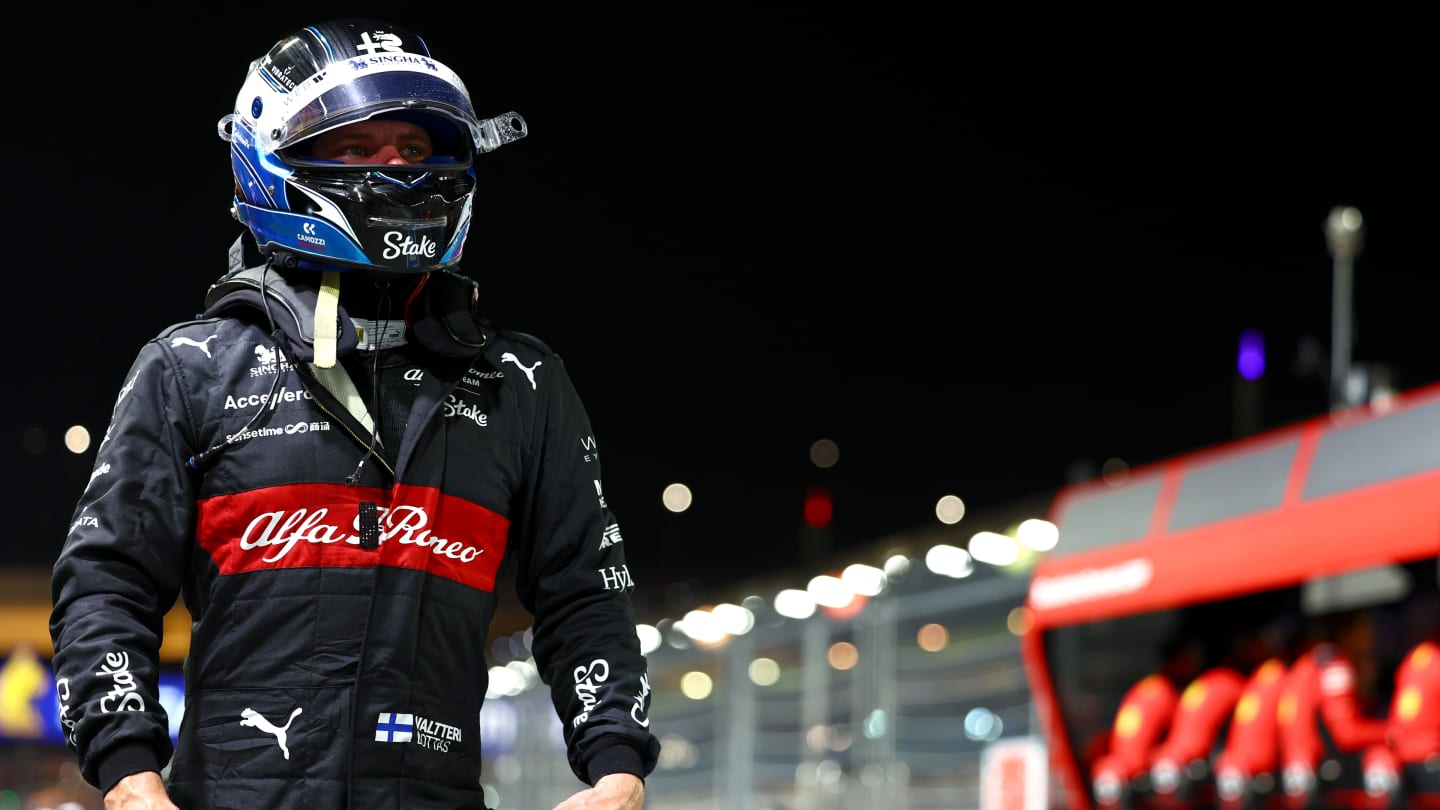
x: 333, y: 216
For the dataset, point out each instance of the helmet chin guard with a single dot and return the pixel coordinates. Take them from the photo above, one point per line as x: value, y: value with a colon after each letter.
x: 406, y: 218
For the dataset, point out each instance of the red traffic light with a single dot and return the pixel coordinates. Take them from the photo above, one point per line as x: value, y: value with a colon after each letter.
x: 818, y: 507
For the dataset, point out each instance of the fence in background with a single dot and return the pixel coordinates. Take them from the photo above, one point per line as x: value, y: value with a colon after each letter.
x: 890, y: 707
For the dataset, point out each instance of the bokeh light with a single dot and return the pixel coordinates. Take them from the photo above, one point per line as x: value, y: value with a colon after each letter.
x: 843, y: 655
x: 764, y: 671
x: 77, y: 439
x: 696, y: 685
x: 949, y: 510
x: 824, y: 454
x: 677, y: 498
x: 932, y: 637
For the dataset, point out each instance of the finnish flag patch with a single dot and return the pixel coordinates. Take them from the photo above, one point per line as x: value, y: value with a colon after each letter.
x: 394, y: 727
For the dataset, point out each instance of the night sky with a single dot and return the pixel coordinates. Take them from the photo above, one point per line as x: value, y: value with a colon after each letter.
x: 982, y: 252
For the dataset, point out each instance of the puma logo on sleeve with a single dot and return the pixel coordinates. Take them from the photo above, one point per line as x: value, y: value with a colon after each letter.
x: 509, y: 357
x: 202, y: 345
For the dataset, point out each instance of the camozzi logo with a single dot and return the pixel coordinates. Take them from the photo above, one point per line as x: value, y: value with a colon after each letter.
x: 307, y: 235
x: 275, y: 533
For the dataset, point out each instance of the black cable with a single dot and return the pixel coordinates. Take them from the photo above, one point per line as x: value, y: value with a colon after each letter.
x: 367, y: 517
x: 381, y: 324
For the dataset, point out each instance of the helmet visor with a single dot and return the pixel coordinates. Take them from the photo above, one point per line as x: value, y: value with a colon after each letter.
x: 431, y: 97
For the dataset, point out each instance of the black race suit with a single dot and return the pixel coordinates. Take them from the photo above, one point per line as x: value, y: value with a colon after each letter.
x: 338, y: 653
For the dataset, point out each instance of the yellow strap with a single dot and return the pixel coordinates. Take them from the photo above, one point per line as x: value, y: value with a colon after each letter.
x: 327, y: 306
x: 337, y: 381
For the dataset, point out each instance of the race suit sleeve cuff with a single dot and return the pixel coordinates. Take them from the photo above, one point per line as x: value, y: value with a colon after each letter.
x: 616, y: 756
x: 122, y: 762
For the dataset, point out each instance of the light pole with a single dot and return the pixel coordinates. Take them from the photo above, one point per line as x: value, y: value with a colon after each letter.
x: 1345, y: 234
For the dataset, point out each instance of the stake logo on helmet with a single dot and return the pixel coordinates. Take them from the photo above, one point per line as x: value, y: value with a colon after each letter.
x: 403, y: 218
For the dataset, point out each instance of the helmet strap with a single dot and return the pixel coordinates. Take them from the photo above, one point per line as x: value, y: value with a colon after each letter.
x: 327, y: 307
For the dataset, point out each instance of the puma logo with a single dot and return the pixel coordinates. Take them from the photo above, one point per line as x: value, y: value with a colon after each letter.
x: 529, y: 372
x: 254, y: 719
x: 202, y: 345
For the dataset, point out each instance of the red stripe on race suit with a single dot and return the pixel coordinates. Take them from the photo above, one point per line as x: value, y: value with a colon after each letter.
x: 317, y: 525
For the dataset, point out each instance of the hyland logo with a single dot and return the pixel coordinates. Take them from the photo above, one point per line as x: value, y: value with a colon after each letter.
x: 616, y: 579
x: 272, y: 361
x: 409, y: 728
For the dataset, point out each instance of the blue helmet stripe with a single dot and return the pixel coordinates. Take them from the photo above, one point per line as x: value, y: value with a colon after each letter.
x: 319, y: 37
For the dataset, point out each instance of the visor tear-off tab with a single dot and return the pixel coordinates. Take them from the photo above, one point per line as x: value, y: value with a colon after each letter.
x: 327, y: 306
